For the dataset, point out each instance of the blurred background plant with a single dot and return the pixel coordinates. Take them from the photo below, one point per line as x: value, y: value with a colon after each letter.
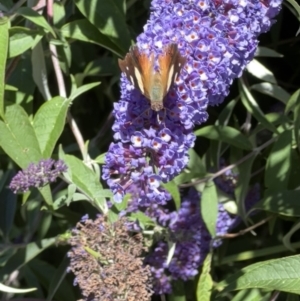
x: 58, y: 63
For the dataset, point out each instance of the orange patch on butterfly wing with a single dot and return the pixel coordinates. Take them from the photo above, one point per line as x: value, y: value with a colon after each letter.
x: 144, y: 70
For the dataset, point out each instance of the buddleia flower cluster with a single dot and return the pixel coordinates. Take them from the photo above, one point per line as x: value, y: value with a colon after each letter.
x: 218, y: 39
x: 107, y: 261
x: 187, y: 230
x: 37, y: 175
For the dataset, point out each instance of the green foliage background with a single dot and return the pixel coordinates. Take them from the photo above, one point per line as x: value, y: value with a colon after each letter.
x: 65, y: 68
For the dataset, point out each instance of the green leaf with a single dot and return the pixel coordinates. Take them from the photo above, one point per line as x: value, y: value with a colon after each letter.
x: 12, y: 290
x: 196, y: 169
x: 253, y: 108
x: 297, y: 124
x: 6, y: 5
x: 83, y: 89
x: 83, y: 30
x: 292, y: 297
x: 24, y: 255
x: 226, y: 113
x: 292, y: 102
x: 209, y: 207
x: 109, y: 19
x: 266, y: 52
x: 278, y: 165
x: 260, y: 71
x: 282, y: 202
x: 26, y: 86
x: 3, y: 56
x: 281, y: 274
x: 225, y: 134
x: 241, y: 190
x: 100, y: 159
x: 39, y: 71
x: 45, y: 273
x: 58, y: 284
x: 296, y: 6
x: 172, y: 188
x: 55, y: 112
x: 287, y: 238
x: 17, y: 137
x: 8, y: 202
x: 22, y: 39
x: 253, y: 294
x: 205, y: 282
x: 178, y: 291
x: 64, y: 53
x: 35, y: 18
x: 87, y: 182
x: 272, y: 90
x: 142, y: 218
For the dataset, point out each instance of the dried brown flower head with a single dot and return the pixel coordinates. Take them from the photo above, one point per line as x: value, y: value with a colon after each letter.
x: 107, y: 263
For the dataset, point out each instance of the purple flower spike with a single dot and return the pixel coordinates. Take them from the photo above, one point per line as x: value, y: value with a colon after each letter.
x: 187, y: 229
x: 217, y: 40
x: 37, y: 175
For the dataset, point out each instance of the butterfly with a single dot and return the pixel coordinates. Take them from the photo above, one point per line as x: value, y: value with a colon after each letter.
x: 140, y: 70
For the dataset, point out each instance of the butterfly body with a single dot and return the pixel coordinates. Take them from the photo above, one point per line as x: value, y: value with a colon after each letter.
x: 141, y: 72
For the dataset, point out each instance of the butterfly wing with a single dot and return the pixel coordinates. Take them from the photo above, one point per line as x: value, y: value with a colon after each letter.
x: 138, y: 68
x: 170, y: 64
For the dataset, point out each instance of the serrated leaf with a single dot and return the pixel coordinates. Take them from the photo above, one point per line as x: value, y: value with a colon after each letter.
x: 22, y: 39
x: 35, y: 18
x: 260, y: 71
x: 279, y: 163
x: 205, y: 282
x: 3, y: 56
x: 17, y: 137
x: 172, y: 188
x: 282, y: 202
x: 54, y: 112
x: 272, y: 90
x: 83, y: 30
x: 281, y: 274
x: 253, y: 108
x: 225, y: 134
x: 12, y: 290
x: 86, y: 181
x: 83, y: 89
x: 209, y: 207
x: 114, y: 27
